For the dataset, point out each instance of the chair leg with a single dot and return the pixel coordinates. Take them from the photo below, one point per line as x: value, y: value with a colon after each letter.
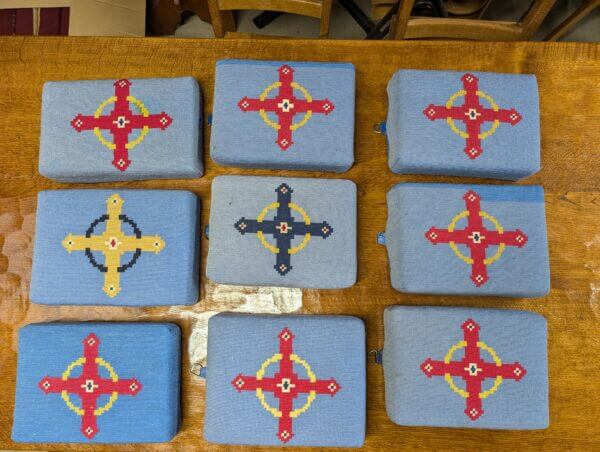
x: 585, y: 8
x: 325, y: 18
x: 400, y: 22
x: 222, y: 20
x: 533, y: 18
x: 198, y: 7
x: 164, y: 17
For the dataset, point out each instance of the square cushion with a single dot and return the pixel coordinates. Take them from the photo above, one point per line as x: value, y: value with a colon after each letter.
x: 476, y: 124
x: 465, y: 367
x: 278, y: 231
x: 127, y: 129
x: 116, y: 247
x: 97, y: 383
x: 286, y: 115
x: 468, y: 239
x: 285, y: 380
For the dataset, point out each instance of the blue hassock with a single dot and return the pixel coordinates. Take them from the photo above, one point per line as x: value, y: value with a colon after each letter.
x: 116, y: 247
x: 466, y: 367
x: 283, y: 115
x: 97, y: 383
x: 468, y: 240
x: 285, y: 380
x: 277, y: 231
x: 476, y: 124
x: 126, y: 129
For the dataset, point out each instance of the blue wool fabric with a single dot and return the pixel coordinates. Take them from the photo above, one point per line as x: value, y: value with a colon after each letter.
x: 97, y: 383
x: 468, y: 240
x: 465, y: 367
x: 285, y: 380
x: 283, y: 115
x: 476, y: 124
x: 121, y: 129
x: 277, y: 231
x: 116, y: 247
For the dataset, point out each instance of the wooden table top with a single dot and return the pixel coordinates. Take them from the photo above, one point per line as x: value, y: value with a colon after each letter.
x: 569, y: 81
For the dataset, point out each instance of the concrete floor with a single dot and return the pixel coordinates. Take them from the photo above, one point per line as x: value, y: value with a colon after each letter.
x: 344, y: 27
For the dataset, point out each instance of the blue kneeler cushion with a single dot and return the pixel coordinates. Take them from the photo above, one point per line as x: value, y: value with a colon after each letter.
x: 466, y: 367
x: 283, y: 115
x: 125, y: 129
x: 116, y: 247
x: 477, y: 124
x: 97, y: 383
x: 278, y: 231
x: 468, y: 240
x: 285, y: 380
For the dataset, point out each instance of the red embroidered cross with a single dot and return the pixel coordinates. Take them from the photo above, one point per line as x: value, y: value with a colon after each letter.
x: 89, y: 386
x: 285, y: 385
x: 473, y: 369
x: 285, y: 105
x: 476, y: 237
x: 121, y: 121
x: 472, y: 114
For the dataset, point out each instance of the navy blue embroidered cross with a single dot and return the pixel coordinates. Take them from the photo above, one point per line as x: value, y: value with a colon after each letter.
x: 284, y: 228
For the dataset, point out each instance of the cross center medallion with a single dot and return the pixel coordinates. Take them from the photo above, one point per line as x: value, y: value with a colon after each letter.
x: 112, y: 243
x: 89, y: 386
x: 285, y: 105
x: 286, y: 385
x: 473, y: 114
x: 476, y: 237
x: 283, y: 227
x: 121, y: 122
x: 473, y: 369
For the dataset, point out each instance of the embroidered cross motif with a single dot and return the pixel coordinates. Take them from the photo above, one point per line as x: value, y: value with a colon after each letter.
x: 473, y: 114
x: 89, y: 386
x: 473, y: 369
x: 113, y: 243
x: 121, y: 122
x: 285, y: 106
x: 283, y: 228
x: 476, y: 237
x: 285, y: 385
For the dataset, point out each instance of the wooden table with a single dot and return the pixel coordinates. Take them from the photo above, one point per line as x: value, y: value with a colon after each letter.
x: 569, y: 81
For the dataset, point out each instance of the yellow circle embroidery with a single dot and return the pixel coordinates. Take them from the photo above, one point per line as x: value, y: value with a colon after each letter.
x: 144, y: 131
x: 462, y: 133
x: 461, y: 392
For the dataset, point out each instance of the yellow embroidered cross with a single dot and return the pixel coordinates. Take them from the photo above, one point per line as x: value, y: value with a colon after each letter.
x: 113, y: 243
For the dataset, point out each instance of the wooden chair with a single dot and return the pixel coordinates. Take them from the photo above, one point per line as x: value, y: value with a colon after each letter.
x: 586, y: 7
x: 406, y: 27
x: 221, y: 12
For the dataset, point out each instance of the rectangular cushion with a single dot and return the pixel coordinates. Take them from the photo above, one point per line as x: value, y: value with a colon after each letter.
x: 283, y: 115
x: 478, y: 124
x: 285, y: 380
x: 97, y: 383
x: 466, y: 367
x: 116, y: 247
x: 126, y: 129
x: 282, y: 231
x: 468, y: 239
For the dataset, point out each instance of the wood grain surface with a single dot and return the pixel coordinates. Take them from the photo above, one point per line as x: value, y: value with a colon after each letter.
x: 569, y: 81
